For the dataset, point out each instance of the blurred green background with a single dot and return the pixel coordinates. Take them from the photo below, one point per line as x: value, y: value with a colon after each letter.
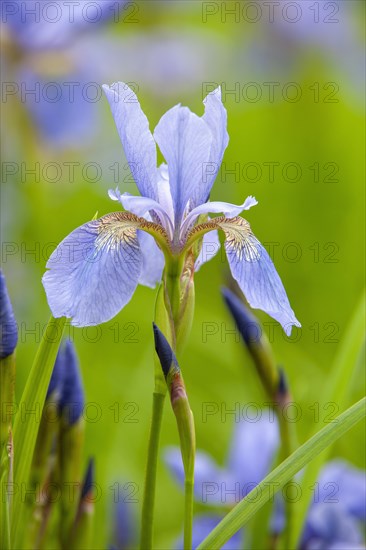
x: 310, y: 216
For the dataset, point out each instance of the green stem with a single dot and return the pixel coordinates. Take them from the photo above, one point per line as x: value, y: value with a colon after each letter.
x: 150, y: 477
x: 5, y: 498
x: 288, y: 446
x: 173, y: 285
x: 7, y: 382
x: 188, y: 513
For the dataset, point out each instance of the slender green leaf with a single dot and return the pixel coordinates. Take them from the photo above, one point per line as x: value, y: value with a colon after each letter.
x: 261, y: 494
x: 28, y: 415
x: 336, y: 391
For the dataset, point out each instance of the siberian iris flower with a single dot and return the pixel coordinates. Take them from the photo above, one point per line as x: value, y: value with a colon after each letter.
x: 337, y: 513
x: 95, y: 270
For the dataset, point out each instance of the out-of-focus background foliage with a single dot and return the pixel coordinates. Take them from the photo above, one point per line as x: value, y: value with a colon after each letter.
x: 297, y: 145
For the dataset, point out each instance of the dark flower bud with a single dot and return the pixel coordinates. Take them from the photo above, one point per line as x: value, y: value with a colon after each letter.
x: 8, y: 325
x: 72, y: 395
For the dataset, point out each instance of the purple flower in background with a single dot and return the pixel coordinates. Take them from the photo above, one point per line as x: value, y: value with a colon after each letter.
x: 336, y: 514
x: 203, y: 524
x: 35, y: 25
x: 124, y: 534
x: 253, y: 449
x: 57, y: 83
x: 94, y: 272
x: 292, y: 31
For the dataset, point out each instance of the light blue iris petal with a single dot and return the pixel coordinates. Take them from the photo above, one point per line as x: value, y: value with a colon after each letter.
x: 133, y: 129
x: 210, y: 481
x: 216, y: 118
x: 93, y: 272
x: 210, y: 247
x: 185, y: 141
x: 258, y: 279
x: 141, y: 206
x: 217, y: 207
x: 253, y: 449
x: 348, y: 485
x: 203, y: 524
x: 152, y: 260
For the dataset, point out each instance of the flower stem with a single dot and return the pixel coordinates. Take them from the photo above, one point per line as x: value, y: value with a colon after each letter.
x: 288, y: 446
x: 5, y: 498
x: 150, y: 476
x: 188, y: 513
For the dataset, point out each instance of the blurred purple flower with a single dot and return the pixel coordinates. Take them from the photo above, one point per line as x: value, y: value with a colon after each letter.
x: 253, y: 449
x: 52, y: 79
x: 59, y: 106
x: 124, y: 524
x: 35, y: 25
x: 330, y: 524
x: 110, y: 256
x: 293, y: 30
x: 203, y: 524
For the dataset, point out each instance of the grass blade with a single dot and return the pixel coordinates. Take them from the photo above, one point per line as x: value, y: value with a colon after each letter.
x: 26, y: 424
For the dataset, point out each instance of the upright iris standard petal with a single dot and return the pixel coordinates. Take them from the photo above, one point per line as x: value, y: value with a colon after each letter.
x: 8, y: 325
x: 95, y: 270
x: 138, y: 143
x: 185, y: 141
x: 215, y: 117
x: 253, y: 449
x: 255, y: 273
x: 152, y: 261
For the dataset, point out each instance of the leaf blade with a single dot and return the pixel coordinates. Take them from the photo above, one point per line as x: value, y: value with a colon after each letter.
x: 25, y: 433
